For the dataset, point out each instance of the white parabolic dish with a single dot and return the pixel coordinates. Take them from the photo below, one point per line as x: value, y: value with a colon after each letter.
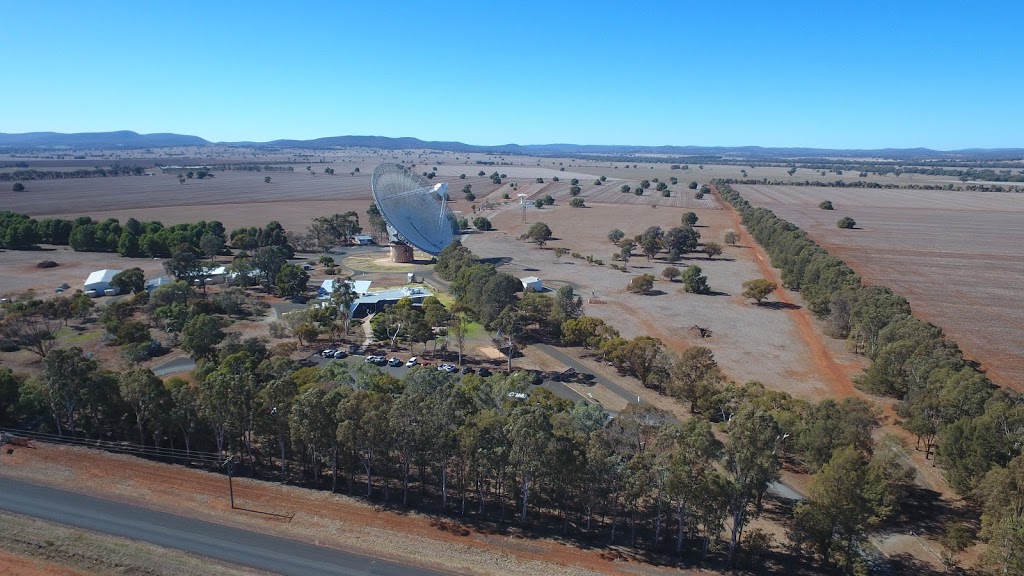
x: 415, y: 209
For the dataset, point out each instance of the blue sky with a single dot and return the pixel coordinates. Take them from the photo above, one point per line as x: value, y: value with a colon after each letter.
x: 943, y: 75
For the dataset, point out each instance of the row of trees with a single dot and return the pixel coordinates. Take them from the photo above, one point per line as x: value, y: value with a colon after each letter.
x: 133, y: 238
x: 945, y: 399
x: 33, y: 174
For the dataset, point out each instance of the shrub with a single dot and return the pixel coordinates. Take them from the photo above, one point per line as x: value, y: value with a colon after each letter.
x: 846, y: 223
x: 641, y: 284
x: 671, y: 273
x: 47, y: 264
x: 666, y: 193
x: 481, y: 223
x: 504, y: 195
x: 694, y: 282
x: 825, y: 205
x: 540, y: 180
x: 577, y: 203
x: 574, y: 190
x: 18, y: 187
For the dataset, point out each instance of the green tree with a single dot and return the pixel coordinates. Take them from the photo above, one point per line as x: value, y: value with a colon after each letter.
x: 731, y: 238
x: 751, y: 464
x: 291, y: 280
x: 692, y: 185
x: 846, y: 223
x: 18, y: 187
x: 481, y: 223
x: 694, y: 282
x: 10, y: 386
x: 839, y: 510
x: 825, y: 205
x: 758, y: 289
x: 132, y: 280
x: 616, y: 235
x: 201, y: 335
x: 539, y: 232
x: 671, y: 273
x: 146, y: 395
x: 689, y: 219
x: 575, y: 190
x: 643, y: 357
x: 577, y: 203
x: 712, y: 249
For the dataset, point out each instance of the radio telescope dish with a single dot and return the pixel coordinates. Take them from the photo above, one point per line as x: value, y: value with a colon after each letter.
x: 416, y: 211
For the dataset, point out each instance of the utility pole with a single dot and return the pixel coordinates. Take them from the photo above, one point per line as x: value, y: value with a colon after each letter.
x: 230, y: 463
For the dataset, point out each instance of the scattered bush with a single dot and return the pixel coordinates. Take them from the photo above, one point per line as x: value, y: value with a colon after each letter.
x: 482, y: 224
x: 577, y: 203
x: 18, y: 187
x: 671, y: 273
x: 47, y: 264
x: 846, y: 223
x: 641, y: 284
x: 825, y: 205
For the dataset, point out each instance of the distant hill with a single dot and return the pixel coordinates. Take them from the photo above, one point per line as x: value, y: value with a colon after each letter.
x: 128, y: 139
x: 119, y: 139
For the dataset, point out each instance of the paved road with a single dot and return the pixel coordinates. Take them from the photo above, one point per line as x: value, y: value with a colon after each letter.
x: 176, y: 366
x: 224, y: 543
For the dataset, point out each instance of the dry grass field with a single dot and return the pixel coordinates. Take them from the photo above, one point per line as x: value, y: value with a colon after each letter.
x: 762, y: 343
x: 957, y: 256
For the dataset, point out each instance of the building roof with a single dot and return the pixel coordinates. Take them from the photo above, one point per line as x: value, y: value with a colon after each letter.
x: 391, y: 295
x: 158, y: 281
x: 215, y: 271
x: 360, y: 287
x: 105, y: 276
x: 529, y: 280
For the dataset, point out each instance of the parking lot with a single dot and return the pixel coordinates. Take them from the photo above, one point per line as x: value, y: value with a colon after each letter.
x: 545, y: 380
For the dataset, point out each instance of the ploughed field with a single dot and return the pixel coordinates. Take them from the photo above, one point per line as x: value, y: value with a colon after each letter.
x: 958, y: 257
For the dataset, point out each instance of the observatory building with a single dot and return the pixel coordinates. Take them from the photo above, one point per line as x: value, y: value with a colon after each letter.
x: 416, y: 211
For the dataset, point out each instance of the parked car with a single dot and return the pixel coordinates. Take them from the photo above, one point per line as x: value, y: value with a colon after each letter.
x: 467, y: 370
x: 518, y: 395
x: 447, y: 368
x: 412, y: 361
x: 484, y: 372
x: 371, y: 359
x: 340, y: 354
x: 327, y: 353
x: 395, y: 361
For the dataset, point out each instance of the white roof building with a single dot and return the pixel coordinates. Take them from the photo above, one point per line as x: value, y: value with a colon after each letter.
x: 360, y: 287
x: 532, y: 282
x: 154, y: 283
x: 100, y: 279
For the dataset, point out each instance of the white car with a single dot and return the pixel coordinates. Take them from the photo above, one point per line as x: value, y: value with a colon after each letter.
x: 327, y: 353
x: 412, y: 362
x: 518, y: 395
x: 395, y: 361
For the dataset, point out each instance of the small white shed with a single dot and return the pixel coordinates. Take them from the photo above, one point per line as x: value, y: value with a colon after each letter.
x: 532, y: 283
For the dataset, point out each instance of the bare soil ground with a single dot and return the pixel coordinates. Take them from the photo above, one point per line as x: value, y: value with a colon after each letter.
x: 956, y: 256
x: 319, y: 517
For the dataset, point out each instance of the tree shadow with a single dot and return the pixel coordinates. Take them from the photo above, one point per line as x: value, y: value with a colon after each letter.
x: 497, y: 260
x: 654, y: 292
x: 780, y: 306
x: 716, y: 293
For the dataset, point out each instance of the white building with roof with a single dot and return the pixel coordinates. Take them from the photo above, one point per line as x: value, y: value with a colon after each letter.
x: 377, y: 301
x: 154, y: 283
x: 360, y: 287
x: 98, y: 282
x: 532, y: 283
